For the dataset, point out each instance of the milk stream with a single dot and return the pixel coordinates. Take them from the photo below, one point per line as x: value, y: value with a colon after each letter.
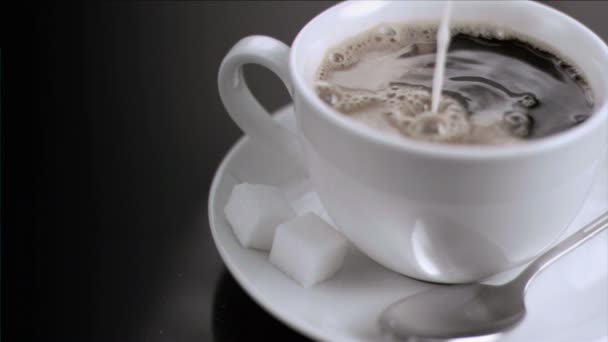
x: 443, y: 41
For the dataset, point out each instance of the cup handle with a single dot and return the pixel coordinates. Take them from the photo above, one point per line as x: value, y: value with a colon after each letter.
x: 243, y: 107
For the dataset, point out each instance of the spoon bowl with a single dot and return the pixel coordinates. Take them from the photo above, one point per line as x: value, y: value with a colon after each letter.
x: 463, y: 310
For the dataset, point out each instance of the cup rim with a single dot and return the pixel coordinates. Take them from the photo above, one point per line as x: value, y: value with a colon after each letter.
x: 443, y: 150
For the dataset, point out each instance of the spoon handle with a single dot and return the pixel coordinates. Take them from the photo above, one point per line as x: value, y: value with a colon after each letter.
x: 562, y: 248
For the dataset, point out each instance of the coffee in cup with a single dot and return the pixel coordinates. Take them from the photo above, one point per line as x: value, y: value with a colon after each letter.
x: 500, y: 87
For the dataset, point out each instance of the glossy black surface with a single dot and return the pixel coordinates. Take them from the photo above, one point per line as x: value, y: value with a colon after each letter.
x: 112, y: 129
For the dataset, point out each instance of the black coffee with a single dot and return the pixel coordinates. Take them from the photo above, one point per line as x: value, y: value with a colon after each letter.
x: 499, y: 87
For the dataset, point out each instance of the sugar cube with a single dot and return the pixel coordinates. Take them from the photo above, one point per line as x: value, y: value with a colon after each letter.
x: 310, y: 202
x: 308, y: 249
x: 254, y: 211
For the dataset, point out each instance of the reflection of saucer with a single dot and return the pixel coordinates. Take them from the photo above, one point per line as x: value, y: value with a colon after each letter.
x: 236, y: 317
x: 566, y: 303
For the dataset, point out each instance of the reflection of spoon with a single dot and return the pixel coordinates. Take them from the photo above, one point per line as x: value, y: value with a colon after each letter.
x: 458, y: 311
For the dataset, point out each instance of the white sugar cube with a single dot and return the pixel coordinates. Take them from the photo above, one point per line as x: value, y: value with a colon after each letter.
x: 254, y: 211
x: 308, y: 249
x: 310, y: 203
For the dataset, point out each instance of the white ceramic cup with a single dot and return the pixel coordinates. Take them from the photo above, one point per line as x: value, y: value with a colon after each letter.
x: 435, y: 212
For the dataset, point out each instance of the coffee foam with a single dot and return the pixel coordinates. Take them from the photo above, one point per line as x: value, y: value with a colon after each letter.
x: 404, y: 109
x: 382, y: 38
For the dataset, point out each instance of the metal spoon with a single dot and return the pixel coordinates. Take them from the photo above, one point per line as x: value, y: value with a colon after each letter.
x: 474, y: 310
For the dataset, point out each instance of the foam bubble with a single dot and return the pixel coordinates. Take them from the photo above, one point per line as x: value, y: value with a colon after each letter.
x: 336, y: 57
x: 327, y: 93
x: 517, y: 123
x: 528, y: 101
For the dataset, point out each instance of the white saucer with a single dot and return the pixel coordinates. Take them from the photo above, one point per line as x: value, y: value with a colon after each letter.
x: 566, y: 303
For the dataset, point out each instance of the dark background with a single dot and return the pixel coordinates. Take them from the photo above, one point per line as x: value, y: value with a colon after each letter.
x: 112, y: 129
